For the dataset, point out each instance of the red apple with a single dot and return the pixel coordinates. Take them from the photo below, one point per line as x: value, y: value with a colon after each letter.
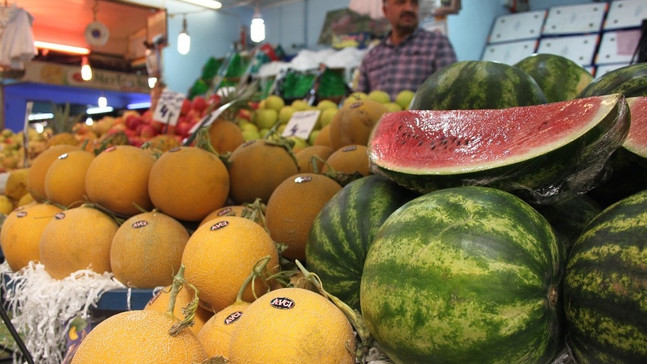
x: 199, y: 104
x: 186, y: 106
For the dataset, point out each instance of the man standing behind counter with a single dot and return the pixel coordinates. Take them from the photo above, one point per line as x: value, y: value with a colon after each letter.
x: 406, y: 56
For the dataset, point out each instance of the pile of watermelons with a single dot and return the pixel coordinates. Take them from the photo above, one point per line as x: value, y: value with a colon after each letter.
x: 506, y: 220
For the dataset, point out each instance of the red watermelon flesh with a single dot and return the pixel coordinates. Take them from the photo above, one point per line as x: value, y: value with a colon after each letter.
x: 636, y: 141
x: 459, y: 141
x: 542, y: 152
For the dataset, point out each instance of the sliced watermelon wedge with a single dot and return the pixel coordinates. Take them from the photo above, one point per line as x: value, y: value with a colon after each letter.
x: 636, y: 141
x: 545, y: 152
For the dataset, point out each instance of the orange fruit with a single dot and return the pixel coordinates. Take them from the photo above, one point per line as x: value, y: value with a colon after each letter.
x: 225, y: 136
x: 304, y: 157
x: 146, y: 250
x: 65, y: 178
x: 39, y: 167
x: 221, y: 254
x: 349, y: 159
x: 160, y: 301
x: 256, y: 168
x: 290, y: 326
x: 215, y: 335
x: 21, y: 232
x: 292, y: 208
x: 77, y: 238
x: 353, y: 123
x: 138, y: 336
x: 188, y: 183
x: 323, y: 138
x: 117, y: 179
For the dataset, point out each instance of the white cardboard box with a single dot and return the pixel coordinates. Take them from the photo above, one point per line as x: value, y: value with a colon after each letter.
x: 574, y: 19
x: 579, y: 48
x: 618, y: 46
x: 509, y: 53
x: 518, y: 26
x: 626, y: 14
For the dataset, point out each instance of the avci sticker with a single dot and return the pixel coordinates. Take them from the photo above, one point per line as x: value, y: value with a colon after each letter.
x: 219, y: 225
x: 282, y: 303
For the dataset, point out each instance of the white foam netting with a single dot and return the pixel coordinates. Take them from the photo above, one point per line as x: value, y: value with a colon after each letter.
x: 42, y: 307
x: 311, y: 59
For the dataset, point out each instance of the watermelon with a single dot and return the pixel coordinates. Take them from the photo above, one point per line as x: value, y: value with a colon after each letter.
x: 464, y: 275
x: 605, y: 285
x: 543, y: 152
x: 627, y: 172
x: 629, y: 80
x: 558, y: 77
x: 569, y: 217
x: 477, y: 85
x: 343, y: 231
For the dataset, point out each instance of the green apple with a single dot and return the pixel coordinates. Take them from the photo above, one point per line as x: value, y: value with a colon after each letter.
x: 393, y: 107
x: 355, y: 96
x: 285, y: 114
x: 298, y: 142
x: 251, y: 135
x: 379, y: 96
x: 313, y: 136
x: 300, y: 105
x: 265, y: 118
x: 326, y: 116
x: 403, y: 98
x: 274, y: 102
x: 326, y: 104
x: 246, y: 125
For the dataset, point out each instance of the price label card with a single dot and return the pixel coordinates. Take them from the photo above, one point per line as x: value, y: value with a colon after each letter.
x: 301, y: 124
x: 168, y: 107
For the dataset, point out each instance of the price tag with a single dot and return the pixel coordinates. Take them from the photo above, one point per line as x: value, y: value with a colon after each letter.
x: 168, y: 107
x: 301, y: 124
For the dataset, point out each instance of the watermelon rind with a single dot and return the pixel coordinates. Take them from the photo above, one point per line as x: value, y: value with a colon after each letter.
x: 344, y: 229
x: 402, y: 144
x: 477, y: 85
x: 629, y: 80
x: 465, y: 275
x: 558, y: 77
x: 605, y: 285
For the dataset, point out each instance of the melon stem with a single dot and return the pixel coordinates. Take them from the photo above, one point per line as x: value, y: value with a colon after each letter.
x: 257, y: 271
x: 352, y: 315
x: 189, y: 310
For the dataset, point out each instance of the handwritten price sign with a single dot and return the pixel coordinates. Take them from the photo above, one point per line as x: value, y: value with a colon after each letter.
x: 168, y: 107
x: 301, y: 124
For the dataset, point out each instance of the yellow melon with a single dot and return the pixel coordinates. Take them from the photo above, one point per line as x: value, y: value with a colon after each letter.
x: 138, y: 336
x: 21, y: 232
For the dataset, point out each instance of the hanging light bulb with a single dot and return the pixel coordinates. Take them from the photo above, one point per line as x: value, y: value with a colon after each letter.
x: 86, y: 70
x: 257, y: 28
x: 183, y: 39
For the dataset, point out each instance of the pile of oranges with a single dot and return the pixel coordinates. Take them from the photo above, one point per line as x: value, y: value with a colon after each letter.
x: 145, y: 215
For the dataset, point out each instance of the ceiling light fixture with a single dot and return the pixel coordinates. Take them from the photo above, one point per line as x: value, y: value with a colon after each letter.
x: 61, y: 48
x: 209, y: 4
x: 257, y: 28
x: 102, y: 101
x: 86, y: 70
x: 183, y: 39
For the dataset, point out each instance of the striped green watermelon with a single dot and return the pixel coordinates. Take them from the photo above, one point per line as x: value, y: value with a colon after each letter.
x: 605, y: 286
x: 477, y: 85
x: 559, y: 78
x: 570, y: 216
x: 344, y: 229
x: 465, y: 275
x: 543, y: 152
x: 629, y: 80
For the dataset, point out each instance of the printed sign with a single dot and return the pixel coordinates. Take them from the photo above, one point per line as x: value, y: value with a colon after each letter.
x: 301, y: 124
